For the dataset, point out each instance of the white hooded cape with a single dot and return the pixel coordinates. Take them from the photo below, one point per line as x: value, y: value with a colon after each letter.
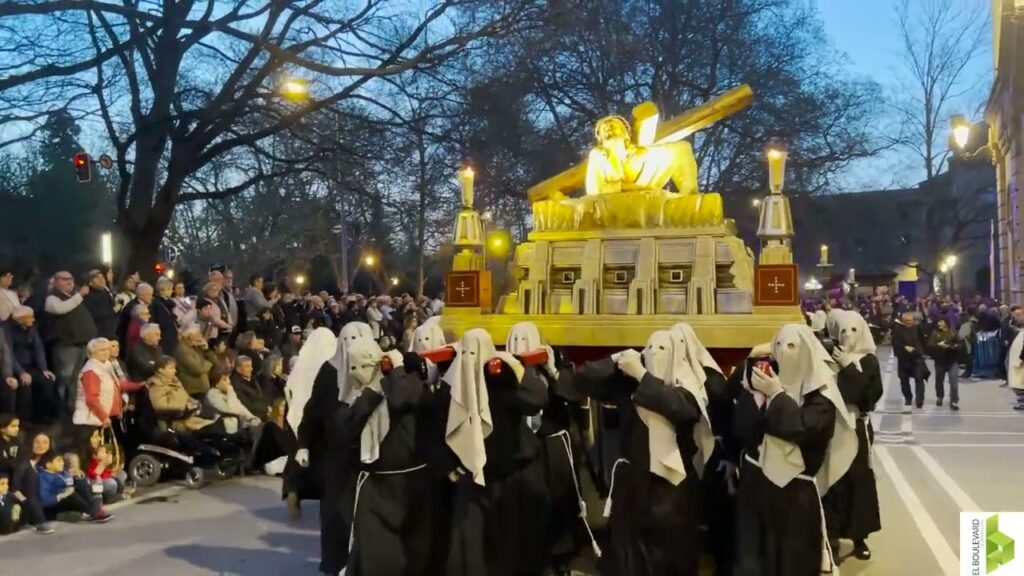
x: 319, y: 348
x: 469, y: 413
x: 805, y: 369
x: 698, y: 357
x: 364, y: 356
x: 853, y: 334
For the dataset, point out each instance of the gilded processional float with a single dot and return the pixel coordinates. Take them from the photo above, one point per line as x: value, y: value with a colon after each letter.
x: 615, y: 255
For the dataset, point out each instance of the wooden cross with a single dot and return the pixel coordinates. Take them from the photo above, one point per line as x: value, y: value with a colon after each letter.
x: 462, y: 288
x: 775, y: 284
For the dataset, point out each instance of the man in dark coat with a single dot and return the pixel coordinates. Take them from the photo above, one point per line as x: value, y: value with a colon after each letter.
x: 909, y: 350
x: 100, y: 303
x: 37, y: 396
x: 142, y: 358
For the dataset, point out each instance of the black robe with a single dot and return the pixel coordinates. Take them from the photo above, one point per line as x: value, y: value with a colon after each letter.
x: 851, y: 505
x: 561, y: 437
x: 653, y: 524
x: 396, y: 505
x: 332, y: 469
x: 496, y: 528
x: 718, y: 505
x: 780, y: 529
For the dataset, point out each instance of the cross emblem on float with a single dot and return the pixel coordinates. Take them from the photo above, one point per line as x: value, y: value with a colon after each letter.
x: 775, y: 284
x: 462, y: 289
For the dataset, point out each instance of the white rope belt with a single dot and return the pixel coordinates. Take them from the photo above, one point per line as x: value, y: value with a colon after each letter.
x: 831, y: 568
x: 564, y: 436
x: 611, y: 489
x: 363, y: 476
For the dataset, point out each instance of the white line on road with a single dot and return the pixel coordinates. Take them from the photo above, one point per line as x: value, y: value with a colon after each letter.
x: 962, y: 499
x: 952, y: 445
x: 969, y: 433
x: 940, y: 548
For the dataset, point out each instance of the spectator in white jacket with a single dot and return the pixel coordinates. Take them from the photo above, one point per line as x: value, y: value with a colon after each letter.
x: 223, y: 400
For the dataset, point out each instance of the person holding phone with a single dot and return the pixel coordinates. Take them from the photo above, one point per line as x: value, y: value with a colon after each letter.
x: 851, y: 506
x: 665, y: 442
x: 800, y: 440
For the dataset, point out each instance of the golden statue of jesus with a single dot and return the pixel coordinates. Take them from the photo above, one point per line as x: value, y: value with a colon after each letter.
x: 618, y: 164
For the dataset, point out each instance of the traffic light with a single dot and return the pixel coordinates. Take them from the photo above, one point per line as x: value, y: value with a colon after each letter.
x: 83, y: 167
x: 159, y: 268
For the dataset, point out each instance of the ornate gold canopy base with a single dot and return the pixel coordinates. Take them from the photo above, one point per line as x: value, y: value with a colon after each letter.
x: 608, y: 330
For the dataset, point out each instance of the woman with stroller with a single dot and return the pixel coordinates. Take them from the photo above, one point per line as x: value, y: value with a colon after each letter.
x: 99, y: 399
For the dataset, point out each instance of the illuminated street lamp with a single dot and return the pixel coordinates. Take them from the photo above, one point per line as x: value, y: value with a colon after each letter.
x: 961, y: 130
x: 394, y: 280
x: 756, y: 202
x: 369, y: 260
x: 107, y: 248
x: 169, y: 273
x: 951, y: 261
x: 294, y: 88
x: 300, y: 279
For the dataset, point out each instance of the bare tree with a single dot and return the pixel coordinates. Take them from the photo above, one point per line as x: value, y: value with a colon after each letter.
x: 179, y: 84
x: 940, y: 39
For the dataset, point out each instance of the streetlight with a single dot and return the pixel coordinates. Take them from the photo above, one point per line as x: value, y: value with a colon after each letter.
x: 300, y: 279
x: 107, y: 248
x: 294, y: 88
x: 947, y: 267
x: 756, y: 202
x: 394, y: 280
x: 369, y: 260
x: 169, y: 273
x: 961, y: 129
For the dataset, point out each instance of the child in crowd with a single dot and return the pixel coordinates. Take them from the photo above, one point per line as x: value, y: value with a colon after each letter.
x: 10, y: 509
x: 10, y: 429
x: 58, y: 493
x: 103, y: 469
x: 222, y: 400
x: 73, y: 465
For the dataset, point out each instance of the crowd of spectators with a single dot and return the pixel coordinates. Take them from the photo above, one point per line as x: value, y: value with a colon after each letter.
x: 965, y: 337
x: 74, y: 360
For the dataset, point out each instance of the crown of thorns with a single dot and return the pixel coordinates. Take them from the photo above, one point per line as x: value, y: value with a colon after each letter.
x: 613, y: 118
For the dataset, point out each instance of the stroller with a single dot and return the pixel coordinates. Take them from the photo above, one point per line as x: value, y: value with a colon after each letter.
x: 153, y: 451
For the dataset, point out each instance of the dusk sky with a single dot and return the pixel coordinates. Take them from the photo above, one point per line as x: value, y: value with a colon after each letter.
x: 867, y: 32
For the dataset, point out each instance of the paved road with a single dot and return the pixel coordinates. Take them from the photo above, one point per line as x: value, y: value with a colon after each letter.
x: 931, y: 465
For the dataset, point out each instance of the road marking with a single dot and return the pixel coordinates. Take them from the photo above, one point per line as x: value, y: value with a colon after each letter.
x: 952, y: 445
x: 941, y: 550
x: 970, y: 433
x: 962, y: 499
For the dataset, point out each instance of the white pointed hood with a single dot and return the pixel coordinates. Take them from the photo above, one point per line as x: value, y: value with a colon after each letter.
x: 469, y: 413
x: 697, y: 358
x: 427, y: 336
x: 349, y: 334
x: 363, y: 371
x: 853, y: 334
x: 523, y: 337
x: 662, y: 362
x: 804, y: 367
x: 320, y: 347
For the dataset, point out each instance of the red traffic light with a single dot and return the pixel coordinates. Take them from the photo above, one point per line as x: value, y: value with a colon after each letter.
x: 83, y: 167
